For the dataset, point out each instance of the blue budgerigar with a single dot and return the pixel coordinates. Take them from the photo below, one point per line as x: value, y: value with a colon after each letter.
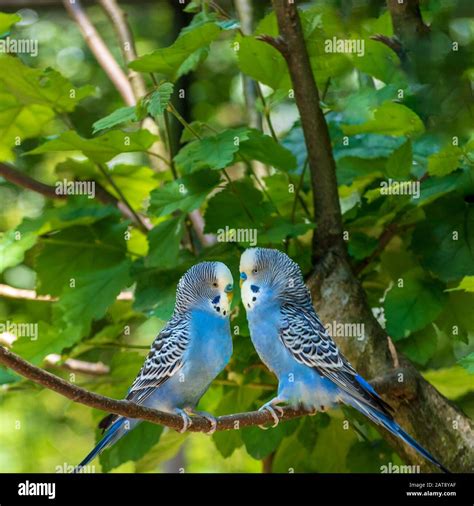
x: 191, y: 350
x: 293, y: 343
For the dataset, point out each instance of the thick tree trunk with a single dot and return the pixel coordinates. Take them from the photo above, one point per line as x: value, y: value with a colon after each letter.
x: 338, y: 296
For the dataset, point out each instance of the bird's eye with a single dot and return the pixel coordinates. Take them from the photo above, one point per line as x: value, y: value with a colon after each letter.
x: 215, y: 285
x: 255, y: 271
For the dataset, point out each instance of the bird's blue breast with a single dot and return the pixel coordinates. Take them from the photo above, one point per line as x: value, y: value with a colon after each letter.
x: 208, y: 352
x: 298, y: 384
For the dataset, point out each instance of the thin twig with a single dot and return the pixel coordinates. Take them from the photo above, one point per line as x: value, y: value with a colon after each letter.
x: 11, y: 292
x: 127, y: 43
x: 101, y: 51
x: 144, y: 226
x: 298, y: 189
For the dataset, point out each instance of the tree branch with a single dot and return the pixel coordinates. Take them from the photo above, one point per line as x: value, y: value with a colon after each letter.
x: 77, y: 366
x: 101, y: 51
x: 21, y: 179
x: 327, y: 212
x: 407, y: 22
x: 338, y: 296
x: 130, y: 409
x: 118, y: 18
x: 11, y: 292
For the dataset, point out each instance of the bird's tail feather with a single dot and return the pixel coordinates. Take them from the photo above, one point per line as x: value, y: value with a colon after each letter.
x: 113, y: 434
x: 392, y: 426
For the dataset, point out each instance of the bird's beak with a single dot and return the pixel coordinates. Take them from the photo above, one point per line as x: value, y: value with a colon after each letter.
x: 243, y: 277
x: 229, y: 290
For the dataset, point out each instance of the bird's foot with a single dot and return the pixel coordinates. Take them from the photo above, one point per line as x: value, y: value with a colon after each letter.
x: 272, y: 407
x: 187, y: 422
x: 210, y: 418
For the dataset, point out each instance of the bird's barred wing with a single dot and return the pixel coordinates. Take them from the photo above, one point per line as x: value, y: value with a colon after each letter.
x: 164, y: 360
x: 307, y: 339
x: 303, y: 334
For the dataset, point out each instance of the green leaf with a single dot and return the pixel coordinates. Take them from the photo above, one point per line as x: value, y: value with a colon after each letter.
x: 361, y: 245
x: 89, y: 300
x: 34, y: 350
x: 168, y: 446
x: 390, y: 118
x: 264, y: 149
x: 185, y: 194
x: 368, y: 456
x: 413, y: 305
x: 400, y: 162
x: 444, y: 240
x: 77, y: 251
x: 159, y: 99
x: 155, y: 289
x: 240, y: 205
x: 420, y: 346
x: 119, y: 116
x: 13, y: 246
x: 133, y: 446
x: 236, y: 400
x: 41, y: 87
x: 260, y: 444
x: 262, y: 62
x: 164, y: 241
x: 445, y: 161
x: 453, y: 382
x: 466, y: 284
x: 99, y: 149
x: 457, y: 318
x: 168, y: 61
x: 379, y: 61
x: 134, y: 181
x: 468, y: 363
x: 281, y: 228
x: 19, y: 122
x: 214, y: 152
x: 7, y: 21
x: 329, y: 455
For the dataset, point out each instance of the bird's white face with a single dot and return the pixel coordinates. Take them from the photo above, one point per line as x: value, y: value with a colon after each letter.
x: 222, y: 290
x: 250, y: 279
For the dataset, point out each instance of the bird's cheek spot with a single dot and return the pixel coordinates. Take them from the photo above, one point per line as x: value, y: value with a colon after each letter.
x: 254, y: 288
x: 216, y: 299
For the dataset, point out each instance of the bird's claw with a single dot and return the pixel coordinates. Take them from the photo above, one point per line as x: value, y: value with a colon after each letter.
x: 187, y: 422
x: 272, y: 408
x: 211, y: 419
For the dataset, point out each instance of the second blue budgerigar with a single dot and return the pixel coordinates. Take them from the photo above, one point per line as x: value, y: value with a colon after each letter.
x: 291, y: 340
x: 192, y: 349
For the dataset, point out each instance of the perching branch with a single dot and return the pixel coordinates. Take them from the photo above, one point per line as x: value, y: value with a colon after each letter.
x: 130, y: 409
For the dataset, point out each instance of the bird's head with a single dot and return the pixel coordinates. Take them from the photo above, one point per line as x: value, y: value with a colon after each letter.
x: 207, y: 286
x: 268, y: 275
